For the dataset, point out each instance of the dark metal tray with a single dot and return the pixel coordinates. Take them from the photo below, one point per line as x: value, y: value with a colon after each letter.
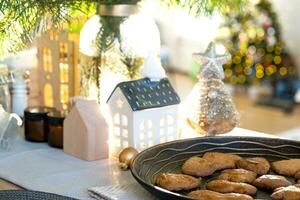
x: 169, y: 157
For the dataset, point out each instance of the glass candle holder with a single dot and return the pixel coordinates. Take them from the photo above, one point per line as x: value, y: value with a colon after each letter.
x: 55, y: 122
x: 35, y: 119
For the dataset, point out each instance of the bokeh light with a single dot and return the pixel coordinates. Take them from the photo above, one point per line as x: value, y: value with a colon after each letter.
x: 283, y: 71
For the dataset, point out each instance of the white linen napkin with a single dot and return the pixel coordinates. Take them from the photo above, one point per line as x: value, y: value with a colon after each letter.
x: 130, y: 191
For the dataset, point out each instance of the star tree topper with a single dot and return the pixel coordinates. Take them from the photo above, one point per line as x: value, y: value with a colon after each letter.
x: 211, y: 63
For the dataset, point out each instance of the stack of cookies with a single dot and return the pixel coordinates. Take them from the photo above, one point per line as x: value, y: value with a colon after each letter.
x: 238, y: 178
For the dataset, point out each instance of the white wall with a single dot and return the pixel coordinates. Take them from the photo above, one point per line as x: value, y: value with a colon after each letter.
x: 288, y: 12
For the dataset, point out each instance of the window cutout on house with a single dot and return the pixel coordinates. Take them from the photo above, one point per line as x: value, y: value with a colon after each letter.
x: 117, y: 131
x: 150, y: 134
x: 48, y: 95
x: 142, y: 127
x: 161, y: 132
x: 125, y: 133
x: 149, y: 124
x: 120, y: 103
x: 125, y: 144
x: 117, y: 119
x: 118, y: 142
x: 63, y: 72
x: 63, y: 52
x: 142, y: 136
x: 162, y: 121
x: 64, y: 93
x: 170, y: 130
x: 124, y: 120
x: 170, y: 120
x: 47, y: 60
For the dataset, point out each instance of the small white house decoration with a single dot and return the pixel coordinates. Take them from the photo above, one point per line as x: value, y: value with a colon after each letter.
x: 143, y: 113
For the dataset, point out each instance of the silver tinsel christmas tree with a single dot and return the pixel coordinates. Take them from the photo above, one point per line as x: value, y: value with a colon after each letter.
x: 209, y: 107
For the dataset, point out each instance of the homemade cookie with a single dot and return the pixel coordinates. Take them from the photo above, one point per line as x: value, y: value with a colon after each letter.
x: 211, y: 195
x: 196, y: 166
x: 209, y: 163
x: 238, y: 175
x: 295, y: 185
x: 224, y: 186
x: 286, y: 193
x: 259, y: 165
x: 286, y: 167
x: 222, y: 160
x: 177, y: 182
x: 271, y: 182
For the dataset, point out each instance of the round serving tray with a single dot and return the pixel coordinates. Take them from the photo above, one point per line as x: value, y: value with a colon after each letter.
x: 30, y: 195
x: 169, y: 157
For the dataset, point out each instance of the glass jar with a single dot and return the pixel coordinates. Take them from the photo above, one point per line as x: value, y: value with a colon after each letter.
x: 55, y: 122
x: 35, y: 119
x: 117, y: 54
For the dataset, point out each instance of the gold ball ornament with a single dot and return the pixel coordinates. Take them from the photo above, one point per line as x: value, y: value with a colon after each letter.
x: 126, y: 157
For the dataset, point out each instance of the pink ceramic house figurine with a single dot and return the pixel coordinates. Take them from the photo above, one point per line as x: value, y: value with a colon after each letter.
x: 86, y: 131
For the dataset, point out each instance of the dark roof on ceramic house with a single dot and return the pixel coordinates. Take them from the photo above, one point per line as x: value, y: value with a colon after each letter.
x: 144, y: 94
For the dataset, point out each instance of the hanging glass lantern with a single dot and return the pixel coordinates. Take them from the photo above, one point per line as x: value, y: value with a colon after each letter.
x: 113, y: 45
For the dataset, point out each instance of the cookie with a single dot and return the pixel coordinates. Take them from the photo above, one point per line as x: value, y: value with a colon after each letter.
x: 177, y: 182
x: 286, y: 193
x: 237, y: 175
x: 196, y: 166
x: 222, y: 160
x: 286, y: 167
x: 224, y: 186
x: 259, y: 165
x: 271, y: 182
x: 211, y: 195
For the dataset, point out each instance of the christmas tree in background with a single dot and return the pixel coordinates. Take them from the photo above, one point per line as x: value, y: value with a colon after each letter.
x: 253, y: 38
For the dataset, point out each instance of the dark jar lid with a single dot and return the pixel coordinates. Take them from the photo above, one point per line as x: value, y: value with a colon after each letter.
x: 56, y: 117
x: 37, y: 113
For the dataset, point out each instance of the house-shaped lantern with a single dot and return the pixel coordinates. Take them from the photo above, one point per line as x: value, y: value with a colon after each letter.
x: 58, y: 70
x: 143, y: 113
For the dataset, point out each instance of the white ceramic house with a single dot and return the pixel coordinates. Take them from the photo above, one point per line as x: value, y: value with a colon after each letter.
x: 143, y: 113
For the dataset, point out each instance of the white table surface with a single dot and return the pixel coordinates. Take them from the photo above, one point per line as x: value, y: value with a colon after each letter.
x: 36, y: 166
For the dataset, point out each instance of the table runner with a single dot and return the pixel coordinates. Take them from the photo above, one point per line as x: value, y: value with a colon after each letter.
x: 36, y: 166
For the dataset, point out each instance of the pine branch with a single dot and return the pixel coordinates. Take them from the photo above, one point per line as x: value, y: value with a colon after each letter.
x: 206, y: 7
x: 22, y: 20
